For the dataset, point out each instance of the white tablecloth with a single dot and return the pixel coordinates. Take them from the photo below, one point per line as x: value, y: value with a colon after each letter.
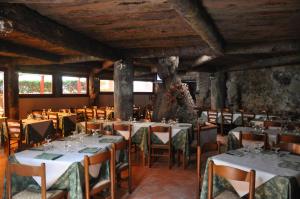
x: 272, y: 133
x: 56, y: 168
x: 265, y: 165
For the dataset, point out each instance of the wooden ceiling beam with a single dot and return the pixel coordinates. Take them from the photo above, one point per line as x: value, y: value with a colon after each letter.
x: 32, y: 23
x: 264, y: 47
x: 197, y: 17
x: 265, y: 63
x: 25, y: 51
x: 192, y: 51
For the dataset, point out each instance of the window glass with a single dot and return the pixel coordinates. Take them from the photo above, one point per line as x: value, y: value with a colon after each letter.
x: 142, y: 87
x: 74, y: 85
x: 35, y: 84
x: 138, y: 86
x: 106, y: 85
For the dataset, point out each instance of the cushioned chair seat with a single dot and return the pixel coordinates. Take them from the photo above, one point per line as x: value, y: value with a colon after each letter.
x: 27, y: 194
x: 101, y: 183
x: 227, y: 195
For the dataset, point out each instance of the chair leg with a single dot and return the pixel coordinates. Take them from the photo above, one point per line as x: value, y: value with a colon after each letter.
x: 149, y: 158
x: 178, y: 158
x: 183, y: 160
x: 129, y: 181
x: 170, y: 159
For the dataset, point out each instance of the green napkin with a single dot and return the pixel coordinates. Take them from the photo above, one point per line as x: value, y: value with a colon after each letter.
x: 107, y: 140
x: 90, y: 150
x: 48, y: 156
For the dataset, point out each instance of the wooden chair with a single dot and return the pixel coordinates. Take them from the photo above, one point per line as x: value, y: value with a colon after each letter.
x: 270, y: 124
x: 26, y: 170
x: 246, y: 118
x: 89, y: 113
x: 212, y: 116
x: 230, y: 174
x: 287, y: 139
x: 91, y: 127
x: 80, y: 115
x: 101, y: 113
x: 103, y: 184
x: 226, y: 121
x: 37, y: 113
x: 291, y: 147
x: 166, y: 147
x: 207, y: 150
x: 14, y: 129
x: 249, y: 136
x: 55, y: 119
x: 124, y: 166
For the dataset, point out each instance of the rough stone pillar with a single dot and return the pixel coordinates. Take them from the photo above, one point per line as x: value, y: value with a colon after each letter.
x: 94, y: 89
x: 218, y: 91
x: 12, y: 93
x: 123, y: 93
x: 173, y: 99
x: 233, y: 92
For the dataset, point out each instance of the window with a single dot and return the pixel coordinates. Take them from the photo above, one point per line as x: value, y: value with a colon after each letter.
x: 142, y: 87
x: 106, y: 85
x: 74, y: 85
x: 31, y: 84
x: 138, y: 86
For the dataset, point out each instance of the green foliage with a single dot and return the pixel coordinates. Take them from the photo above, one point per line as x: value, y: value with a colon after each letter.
x: 33, y: 87
x: 70, y: 87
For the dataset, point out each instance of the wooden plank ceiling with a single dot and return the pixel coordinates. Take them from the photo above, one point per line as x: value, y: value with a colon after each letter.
x: 236, y: 34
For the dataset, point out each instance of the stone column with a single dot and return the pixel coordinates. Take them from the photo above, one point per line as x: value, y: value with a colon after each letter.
x: 12, y: 93
x: 218, y: 91
x: 123, y: 93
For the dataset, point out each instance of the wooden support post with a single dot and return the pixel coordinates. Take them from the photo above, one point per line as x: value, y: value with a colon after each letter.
x: 78, y: 86
x: 123, y: 89
x: 12, y: 93
x: 94, y: 89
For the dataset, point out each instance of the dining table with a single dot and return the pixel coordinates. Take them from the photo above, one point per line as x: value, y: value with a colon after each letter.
x: 64, y: 163
x: 233, y: 135
x: 277, y: 174
x: 181, y: 133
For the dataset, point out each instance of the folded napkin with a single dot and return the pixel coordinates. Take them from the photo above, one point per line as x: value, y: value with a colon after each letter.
x: 90, y: 150
x: 48, y: 156
x: 107, y: 140
x: 235, y: 153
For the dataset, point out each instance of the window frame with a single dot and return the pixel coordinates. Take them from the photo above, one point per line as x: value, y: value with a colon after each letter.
x: 37, y: 95
x: 105, y: 92
x: 74, y: 95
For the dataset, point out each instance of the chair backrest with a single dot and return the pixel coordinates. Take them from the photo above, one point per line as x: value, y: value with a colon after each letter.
x: 291, y: 147
x: 54, y: 118
x: 247, y: 117
x: 14, y: 129
x: 227, y: 117
x: 89, y: 113
x: 122, y: 127
x: 253, y: 137
x: 269, y: 124
x: 25, y: 170
x: 101, y: 113
x: 125, y: 146
x: 212, y: 116
x: 99, y: 159
x: 230, y: 173
x: 80, y: 115
x: 287, y: 139
x: 37, y: 113
x: 160, y: 129
x: 93, y: 126
x: 207, y: 147
x: 14, y: 126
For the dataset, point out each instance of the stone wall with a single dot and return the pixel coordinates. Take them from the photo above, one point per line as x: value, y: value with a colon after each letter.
x: 276, y: 89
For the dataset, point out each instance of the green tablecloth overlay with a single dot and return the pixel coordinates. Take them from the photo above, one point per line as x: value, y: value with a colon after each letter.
x: 66, y: 125
x: 32, y: 136
x: 278, y: 187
